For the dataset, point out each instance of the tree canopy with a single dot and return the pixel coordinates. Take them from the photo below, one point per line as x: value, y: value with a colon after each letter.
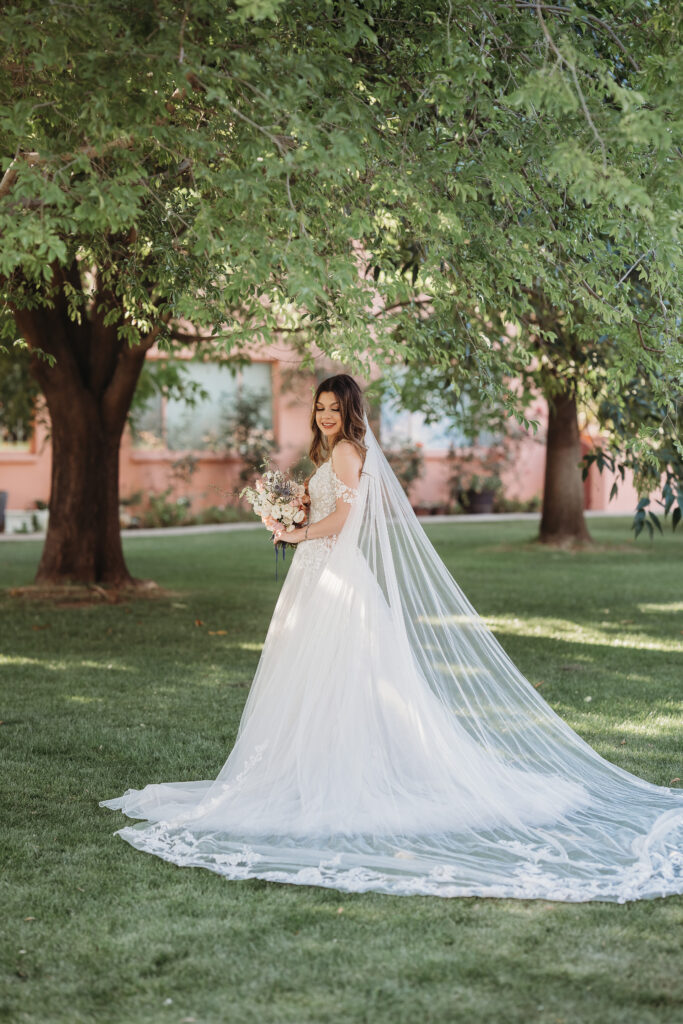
x: 545, y: 193
x: 398, y: 183
x: 189, y: 161
x: 210, y: 161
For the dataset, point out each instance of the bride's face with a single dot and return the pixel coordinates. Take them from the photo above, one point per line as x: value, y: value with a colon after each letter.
x: 328, y: 414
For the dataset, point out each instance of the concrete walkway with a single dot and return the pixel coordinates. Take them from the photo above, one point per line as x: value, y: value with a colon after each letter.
x: 463, y: 520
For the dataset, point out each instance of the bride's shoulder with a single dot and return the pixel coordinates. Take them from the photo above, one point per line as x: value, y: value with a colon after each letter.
x: 346, y: 452
x: 346, y: 463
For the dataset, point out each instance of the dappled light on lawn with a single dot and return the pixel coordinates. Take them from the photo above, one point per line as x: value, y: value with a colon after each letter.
x: 654, y: 726
x: 670, y: 608
x: 604, y: 635
x: 55, y: 770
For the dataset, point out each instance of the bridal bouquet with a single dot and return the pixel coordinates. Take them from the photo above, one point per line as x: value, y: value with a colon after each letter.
x: 278, y: 501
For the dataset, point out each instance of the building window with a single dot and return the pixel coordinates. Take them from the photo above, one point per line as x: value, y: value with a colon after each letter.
x: 400, y: 427
x: 174, y: 424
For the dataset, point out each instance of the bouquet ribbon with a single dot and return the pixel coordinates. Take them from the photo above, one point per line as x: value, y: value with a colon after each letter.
x: 280, y: 544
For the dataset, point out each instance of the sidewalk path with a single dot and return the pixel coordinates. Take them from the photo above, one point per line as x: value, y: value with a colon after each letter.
x: 184, y: 531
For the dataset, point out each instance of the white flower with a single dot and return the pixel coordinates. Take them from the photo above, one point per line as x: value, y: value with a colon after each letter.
x: 299, y: 516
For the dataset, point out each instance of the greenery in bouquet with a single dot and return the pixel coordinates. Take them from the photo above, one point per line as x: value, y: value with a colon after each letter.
x: 278, y: 499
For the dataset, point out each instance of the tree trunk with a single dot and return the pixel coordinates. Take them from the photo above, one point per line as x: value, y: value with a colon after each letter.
x: 562, y: 521
x: 83, y: 542
x: 88, y: 389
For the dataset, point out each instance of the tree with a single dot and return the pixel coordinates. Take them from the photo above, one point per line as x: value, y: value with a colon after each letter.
x: 657, y: 461
x: 234, y: 169
x: 643, y: 435
x: 567, y: 147
x: 171, y: 164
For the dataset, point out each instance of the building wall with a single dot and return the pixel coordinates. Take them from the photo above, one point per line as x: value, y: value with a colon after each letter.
x: 26, y: 474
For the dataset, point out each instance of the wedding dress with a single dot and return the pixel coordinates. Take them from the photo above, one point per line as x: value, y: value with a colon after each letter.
x: 388, y: 743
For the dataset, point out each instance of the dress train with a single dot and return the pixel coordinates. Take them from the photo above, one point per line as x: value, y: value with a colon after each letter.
x: 355, y: 767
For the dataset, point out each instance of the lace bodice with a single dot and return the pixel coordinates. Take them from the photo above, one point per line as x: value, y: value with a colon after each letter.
x: 324, y: 488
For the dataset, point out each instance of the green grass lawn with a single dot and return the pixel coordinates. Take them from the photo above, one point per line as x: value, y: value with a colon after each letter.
x: 100, y: 698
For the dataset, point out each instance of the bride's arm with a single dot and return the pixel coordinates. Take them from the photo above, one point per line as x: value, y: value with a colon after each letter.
x: 346, y: 464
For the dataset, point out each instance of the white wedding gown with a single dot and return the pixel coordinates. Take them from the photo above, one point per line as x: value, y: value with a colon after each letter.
x: 389, y: 744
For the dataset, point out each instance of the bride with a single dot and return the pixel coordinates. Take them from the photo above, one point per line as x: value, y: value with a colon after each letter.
x: 388, y: 743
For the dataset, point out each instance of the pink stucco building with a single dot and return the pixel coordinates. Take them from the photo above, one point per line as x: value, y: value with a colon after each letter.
x: 168, y: 429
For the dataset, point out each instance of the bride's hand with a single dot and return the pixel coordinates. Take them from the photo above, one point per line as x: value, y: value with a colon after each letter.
x: 293, y: 537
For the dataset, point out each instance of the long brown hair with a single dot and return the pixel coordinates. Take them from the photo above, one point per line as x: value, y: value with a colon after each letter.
x: 352, y: 408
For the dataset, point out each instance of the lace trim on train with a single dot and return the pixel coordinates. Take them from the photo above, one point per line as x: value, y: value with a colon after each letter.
x: 659, y: 875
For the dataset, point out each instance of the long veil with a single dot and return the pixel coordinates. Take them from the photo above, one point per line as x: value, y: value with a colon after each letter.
x: 389, y: 743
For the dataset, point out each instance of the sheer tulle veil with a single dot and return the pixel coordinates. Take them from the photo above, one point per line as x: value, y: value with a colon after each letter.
x: 422, y: 759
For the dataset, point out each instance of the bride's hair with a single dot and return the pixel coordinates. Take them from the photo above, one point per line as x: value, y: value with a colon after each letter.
x: 351, y: 406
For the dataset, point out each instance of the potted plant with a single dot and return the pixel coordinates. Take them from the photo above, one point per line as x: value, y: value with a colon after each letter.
x: 475, y: 480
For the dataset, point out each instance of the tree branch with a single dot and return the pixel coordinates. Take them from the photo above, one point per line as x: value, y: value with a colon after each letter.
x: 403, y: 305
x: 572, y: 68
x: 557, y: 9
x: 118, y: 393
x: 648, y: 348
x: 632, y: 267
x: 33, y: 159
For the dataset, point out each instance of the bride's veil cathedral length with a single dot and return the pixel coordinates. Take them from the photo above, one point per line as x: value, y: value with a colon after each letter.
x: 388, y: 743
